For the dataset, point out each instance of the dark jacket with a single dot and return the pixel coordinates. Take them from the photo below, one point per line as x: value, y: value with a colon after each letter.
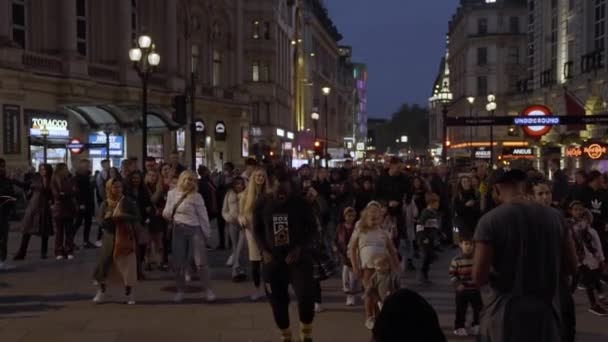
x: 85, y: 195
x: 281, y: 227
x: 6, y: 189
x: 141, y: 198
x: 560, y: 186
x: 392, y: 188
x: 64, y: 202
x: 597, y: 202
x: 38, y: 219
x: 465, y: 218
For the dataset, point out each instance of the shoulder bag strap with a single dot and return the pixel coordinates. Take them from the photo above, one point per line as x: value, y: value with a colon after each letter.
x: 181, y: 200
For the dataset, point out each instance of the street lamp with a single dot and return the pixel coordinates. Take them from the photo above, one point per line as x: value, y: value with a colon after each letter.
x: 491, y: 108
x: 326, y: 91
x: 45, y: 135
x: 445, y: 98
x: 315, y: 120
x: 471, y: 100
x: 145, y: 60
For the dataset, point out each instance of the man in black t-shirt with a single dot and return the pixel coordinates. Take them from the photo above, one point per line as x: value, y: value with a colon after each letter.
x: 283, y: 227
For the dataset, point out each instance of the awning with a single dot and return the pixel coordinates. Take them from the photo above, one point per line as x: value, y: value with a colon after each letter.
x: 98, y: 117
x: 157, y: 118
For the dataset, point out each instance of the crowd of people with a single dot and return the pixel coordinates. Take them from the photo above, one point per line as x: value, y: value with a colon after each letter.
x: 532, y: 238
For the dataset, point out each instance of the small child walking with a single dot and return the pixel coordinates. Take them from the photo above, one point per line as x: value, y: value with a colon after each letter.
x: 427, y: 230
x: 369, y: 242
x: 590, y: 256
x: 467, y: 293
x: 344, y: 231
x: 384, y: 281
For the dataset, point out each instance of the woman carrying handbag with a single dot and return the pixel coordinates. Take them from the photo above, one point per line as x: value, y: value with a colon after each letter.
x: 185, y: 211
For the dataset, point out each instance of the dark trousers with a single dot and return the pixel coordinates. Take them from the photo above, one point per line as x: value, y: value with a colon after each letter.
x: 221, y: 231
x: 85, y: 216
x: 256, y: 273
x: 591, y: 280
x: 463, y: 300
x: 4, y: 226
x: 317, y: 298
x: 426, y: 243
x: 568, y: 317
x: 25, y: 241
x: 277, y: 277
x: 64, y: 236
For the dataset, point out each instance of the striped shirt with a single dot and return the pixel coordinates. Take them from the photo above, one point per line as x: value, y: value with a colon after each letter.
x: 461, y: 269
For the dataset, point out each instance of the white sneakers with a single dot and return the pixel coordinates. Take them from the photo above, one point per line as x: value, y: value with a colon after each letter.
x: 350, y: 300
x: 179, y: 296
x: 99, y: 298
x: 209, y: 296
x: 98, y: 243
x: 318, y: 308
x: 59, y: 257
x: 369, y: 323
x: 130, y: 299
x: 461, y: 332
x: 4, y: 266
x: 230, y: 261
x: 257, y: 294
x: 70, y: 256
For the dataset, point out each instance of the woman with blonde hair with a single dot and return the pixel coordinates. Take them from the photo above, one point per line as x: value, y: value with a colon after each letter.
x: 64, y: 211
x: 118, y: 216
x: 258, y: 187
x: 185, y: 211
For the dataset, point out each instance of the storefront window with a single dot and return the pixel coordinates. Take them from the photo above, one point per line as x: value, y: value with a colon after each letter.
x: 155, y: 147
x: 97, y: 152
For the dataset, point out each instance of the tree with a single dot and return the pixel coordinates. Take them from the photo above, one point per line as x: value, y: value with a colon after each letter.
x: 409, y: 120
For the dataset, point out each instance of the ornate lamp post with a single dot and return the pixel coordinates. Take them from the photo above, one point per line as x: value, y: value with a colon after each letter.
x: 471, y: 101
x: 315, y: 120
x: 445, y: 98
x: 491, y: 108
x: 45, y: 135
x: 326, y: 91
x: 145, y: 60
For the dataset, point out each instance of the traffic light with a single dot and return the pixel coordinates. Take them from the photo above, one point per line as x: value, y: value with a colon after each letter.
x: 318, y: 148
x: 179, y: 107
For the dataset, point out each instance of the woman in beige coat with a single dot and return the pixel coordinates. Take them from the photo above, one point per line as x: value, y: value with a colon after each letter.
x: 257, y: 187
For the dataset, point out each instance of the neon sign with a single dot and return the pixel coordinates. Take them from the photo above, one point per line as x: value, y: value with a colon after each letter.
x: 536, y: 120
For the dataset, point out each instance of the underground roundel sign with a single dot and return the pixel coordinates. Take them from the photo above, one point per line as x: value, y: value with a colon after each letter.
x: 536, y: 131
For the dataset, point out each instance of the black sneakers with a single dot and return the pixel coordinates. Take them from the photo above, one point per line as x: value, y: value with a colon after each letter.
x: 598, y: 310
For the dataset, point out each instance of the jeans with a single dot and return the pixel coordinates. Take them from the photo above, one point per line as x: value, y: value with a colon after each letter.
x: 277, y: 277
x: 463, y: 299
x: 64, y: 236
x: 237, y: 236
x: 189, y: 245
x: 25, y: 241
x: 426, y: 241
x: 350, y: 285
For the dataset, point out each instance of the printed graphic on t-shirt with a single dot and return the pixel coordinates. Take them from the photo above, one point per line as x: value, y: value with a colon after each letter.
x: 280, y: 225
x: 596, y: 206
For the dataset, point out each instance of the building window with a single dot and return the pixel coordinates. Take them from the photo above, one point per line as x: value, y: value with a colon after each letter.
x: 194, y: 59
x: 267, y: 30
x: 18, y: 22
x: 256, y: 30
x: 482, y: 56
x: 514, y: 25
x: 264, y: 72
x: 255, y: 71
x: 133, y: 19
x: 599, y: 31
x: 217, y: 68
x: 482, y: 26
x: 482, y: 86
x: 81, y: 27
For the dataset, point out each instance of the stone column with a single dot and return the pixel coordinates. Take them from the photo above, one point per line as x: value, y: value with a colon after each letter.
x: 67, y: 28
x: 169, y: 48
x: 5, y: 22
x: 123, y: 37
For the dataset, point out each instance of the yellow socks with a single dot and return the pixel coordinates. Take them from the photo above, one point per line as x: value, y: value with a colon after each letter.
x: 305, y: 331
x: 286, y: 335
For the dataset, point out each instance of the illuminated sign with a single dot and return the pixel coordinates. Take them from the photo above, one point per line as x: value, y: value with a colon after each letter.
x: 116, y: 145
x: 290, y: 135
x: 200, y: 125
x: 244, y: 142
x: 482, y: 153
x: 75, y: 146
x: 287, y: 145
x: 220, y: 131
x: 592, y: 151
x: 55, y: 128
x: 536, y: 120
x: 280, y: 132
x: 360, y: 146
x: 517, y: 152
x: 256, y: 131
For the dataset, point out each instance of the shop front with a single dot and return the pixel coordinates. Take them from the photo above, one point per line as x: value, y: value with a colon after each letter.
x: 589, y: 156
x: 49, y: 133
